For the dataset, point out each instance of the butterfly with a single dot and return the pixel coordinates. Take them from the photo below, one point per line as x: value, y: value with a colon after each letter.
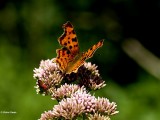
x: 69, y: 57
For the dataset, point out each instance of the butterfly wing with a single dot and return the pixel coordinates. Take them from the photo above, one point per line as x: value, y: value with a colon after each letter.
x: 63, y: 58
x: 92, y: 50
x: 80, y: 59
x: 69, y: 39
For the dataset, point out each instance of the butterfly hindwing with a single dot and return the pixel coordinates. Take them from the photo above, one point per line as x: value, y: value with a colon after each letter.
x: 91, y: 51
x: 63, y: 58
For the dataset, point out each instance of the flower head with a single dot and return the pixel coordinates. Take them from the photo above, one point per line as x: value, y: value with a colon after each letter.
x: 90, y: 77
x: 83, y: 97
x: 69, y: 108
x: 104, y: 106
x: 47, y: 115
x: 64, y: 91
x: 48, y: 75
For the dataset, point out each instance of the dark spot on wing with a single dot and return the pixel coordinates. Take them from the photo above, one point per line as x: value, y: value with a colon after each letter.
x: 74, y: 39
x: 62, y: 37
x: 84, y: 58
x: 64, y: 48
x: 76, y: 45
x: 70, y: 47
x: 65, y: 44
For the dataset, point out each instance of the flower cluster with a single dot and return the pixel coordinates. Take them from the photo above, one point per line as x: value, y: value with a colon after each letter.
x: 72, y: 92
x: 81, y: 103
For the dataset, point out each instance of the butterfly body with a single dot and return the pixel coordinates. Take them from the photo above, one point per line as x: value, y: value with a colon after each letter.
x: 69, y: 57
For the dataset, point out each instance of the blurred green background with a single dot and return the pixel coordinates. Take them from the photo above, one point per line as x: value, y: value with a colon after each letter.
x: 128, y: 61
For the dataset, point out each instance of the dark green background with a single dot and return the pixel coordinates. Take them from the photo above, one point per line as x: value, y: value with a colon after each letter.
x: 29, y: 31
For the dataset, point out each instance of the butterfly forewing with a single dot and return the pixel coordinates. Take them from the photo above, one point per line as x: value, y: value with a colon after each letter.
x: 69, y: 39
